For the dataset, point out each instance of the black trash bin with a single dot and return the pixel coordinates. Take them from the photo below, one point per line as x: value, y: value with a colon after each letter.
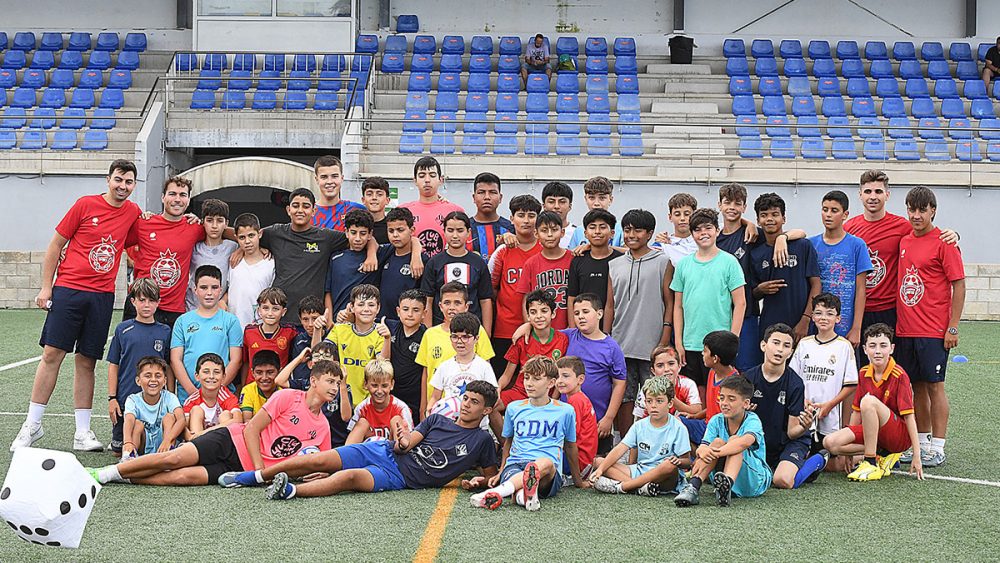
x: 681, y: 49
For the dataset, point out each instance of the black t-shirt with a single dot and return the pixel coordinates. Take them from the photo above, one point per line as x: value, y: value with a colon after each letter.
x: 395, y: 277
x: 381, y: 232
x: 469, y: 269
x: 993, y: 56
x: 589, y: 275
x: 447, y: 451
x: 300, y: 261
x: 406, y: 371
x: 735, y: 244
x: 774, y: 403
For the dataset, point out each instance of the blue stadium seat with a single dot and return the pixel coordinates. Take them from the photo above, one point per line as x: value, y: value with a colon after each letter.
x: 790, y: 49
x: 899, y: 128
x: 869, y: 128
x: 844, y: 149
x: 416, y: 101
x: 510, y: 45
x: 424, y: 45
x: 893, y: 107
x: 876, y: 51
x: 952, y: 108
x: 959, y: 51
x: 446, y: 101
x: 795, y: 67
x: 78, y: 41
x: 419, y: 82
x: 473, y: 144
x: 833, y: 106
x: 479, y: 83
x: 751, y: 147
x: 735, y: 66
x: 444, y: 122
x: 450, y: 63
x: 508, y: 82
x: 568, y: 123
x: 453, y: 45
x: 8, y: 139
x: 507, y: 103
x: 392, y: 63
x: 411, y: 144
x: 127, y: 60
x: 51, y: 42
x: 797, y: 86
x: 568, y: 145
x: 762, y: 48
x: 932, y: 51
x: 968, y: 151
x: 910, y: 69
x: 53, y: 98
x: 598, y: 103
x: 904, y: 51
x: 407, y: 23
x: 778, y: 126
x: 542, y: 125
x: 824, y: 68
x: 761, y: 67
x: 71, y: 60
x: 808, y: 126
x: 773, y: 105
x: 307, y: 63
x: 937, y: 149
x: 415, y: 122
x: 184, y: 62
x: 366, y: 43
x: 852, y: 68
x: 960, y: 128
x: 819, y: 50
x: 103, y: 118
x: 743, y: 104
x: 275, y: 62
x: 625, y: 47
x: 32, y: 140
x: 906, y: 149
x: 598, y: 124
x: 33, y: 79
x: 537, y: 103
x: 95, y: 140
x: 99, y: 60
x: 829, y: 86
x: 295, y: 100
x: 887, y: 88
x: 629, y: 85
x: 14, y: 60
x: 471, y: 119
x: 42, y: 60
x: 569, y: 83
x: 506, y: 122
x: 60, y: 78
x: 24, y: 41
x: 508, y: 63
x: 8, y: 79
x: 135, y: 42
x: 857, y: 87
x: 207, y: 80
x: 395, y: 44
x: 938, y: 70
x: 599, y: 65
x: 107, y: 41
x: 730, y: 48
x: 73, y: 118
x: 449, y: 82
x: 813, y: 149
x: 975, y: 90
x: 803, y: 105
x: 983, y: 49
x: 630, y: 145
x: 422, y: 63
x: 264, y: 100
x: 537, y: 83
x: 212, y: 61
x: 238, y: 80
x: 945, y: 88
x: 597, y: 47
x: 627, y: 65
x: 993, y: 151
x: 481, y: 45
x: 568, y: 103
x: 598, y: 84
x: 881, y: 68
x: 922, y: 107
x: 567, y: 46
x: 13, y: 118
x: 863, y: 106
x: 875, y: 149
x: 356, y: 96
x: 480, y: 64
x: 782, y: 148
x: 82, y: 98
x: 270, y: 80
x: 43, y: 118
x: 967, y: 70
x: 505, y: 144
x: 23, y: 98
x: 302, y: 80
x: 765, y: 87
x: 203, y: 99
x: 120, y: 78
x: 930, y: 128
x: 536, y: 144
x: 112, y: 98
x: 244, y: 61
x: 982, y: 109
x: 746, y: 126
x: 849, y: 50
x: 628, y: 103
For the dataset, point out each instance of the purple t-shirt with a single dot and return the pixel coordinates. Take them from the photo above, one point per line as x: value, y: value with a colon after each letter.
x: 603, y: 362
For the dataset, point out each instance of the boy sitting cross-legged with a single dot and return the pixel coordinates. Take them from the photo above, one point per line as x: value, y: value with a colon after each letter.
x: 154, y: 419
x: 290, y: 422
x: 733, y: 449
x: 212, y: 404
x: 380, y: 416
x: 662, y: 448
x: 536, y: 433
x: 431, y: 456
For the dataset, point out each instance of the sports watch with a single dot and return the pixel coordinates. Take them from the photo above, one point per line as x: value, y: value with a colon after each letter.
x: 952, y: 331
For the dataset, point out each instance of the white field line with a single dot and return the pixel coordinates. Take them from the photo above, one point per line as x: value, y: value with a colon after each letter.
x: 952, y: 479
x: 21, y: 363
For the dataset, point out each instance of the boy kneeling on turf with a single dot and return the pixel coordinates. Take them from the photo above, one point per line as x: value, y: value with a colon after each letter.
x: 883, y: 418
x: 662, y: 448
x: 733, y: 449
x: 290, y: 423
x: 154, y: 419
x: 430, y: 456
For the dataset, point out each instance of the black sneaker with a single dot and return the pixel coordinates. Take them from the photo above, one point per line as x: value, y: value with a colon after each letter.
x: 723, y: 489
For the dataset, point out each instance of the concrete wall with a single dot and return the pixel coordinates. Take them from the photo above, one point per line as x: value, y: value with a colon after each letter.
x: 303, y: 35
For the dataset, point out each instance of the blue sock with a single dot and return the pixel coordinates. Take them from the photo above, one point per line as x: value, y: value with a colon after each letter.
x: 248, y: 479
x: 810, y: 466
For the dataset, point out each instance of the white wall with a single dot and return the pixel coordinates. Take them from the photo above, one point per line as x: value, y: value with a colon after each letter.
x: 52, y: 15
x: 279, y: 35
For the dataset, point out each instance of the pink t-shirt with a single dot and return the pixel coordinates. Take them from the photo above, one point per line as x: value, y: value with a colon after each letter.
x: 293, y: 428
x: 427, y: 222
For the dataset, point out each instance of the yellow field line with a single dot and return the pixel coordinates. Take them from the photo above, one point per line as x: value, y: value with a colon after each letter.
x: 434, y: 533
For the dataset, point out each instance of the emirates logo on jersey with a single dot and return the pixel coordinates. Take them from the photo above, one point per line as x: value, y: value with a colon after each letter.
x: 877, y: 274
x: 102, y: 256
x: 911, y: 289
x: 166, y: 270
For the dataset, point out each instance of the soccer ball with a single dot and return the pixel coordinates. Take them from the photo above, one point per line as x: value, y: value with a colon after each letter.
x: 308, y: 450
x: 449, y: 407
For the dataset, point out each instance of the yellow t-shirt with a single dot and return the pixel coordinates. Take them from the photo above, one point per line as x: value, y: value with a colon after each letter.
x: 355, y: 351
x: 435, y: 349
x: 251, y: 398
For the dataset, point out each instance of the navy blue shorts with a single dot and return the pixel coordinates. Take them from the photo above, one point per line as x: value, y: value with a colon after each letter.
x: 795, y: 451
x: 749, y: 355
x: 696, y: 428
x: 78, y: 321
x: 552, y: 490
x: 887, y: 316
x: 924, y: 359
x: 375, y: 457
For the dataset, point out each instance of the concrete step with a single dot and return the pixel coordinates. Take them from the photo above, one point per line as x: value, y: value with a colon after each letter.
x: 687, y: 130
x: 692, y: 87
x: 690, y: 149
x: 660, y: 68
x: 685, y: 107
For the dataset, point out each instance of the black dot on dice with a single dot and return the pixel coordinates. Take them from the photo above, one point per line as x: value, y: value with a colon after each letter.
x: 83, y: 501
x: 25, y: 530
x: 11, y: 524
x: 93, y: 491
x: 53, y: 543
x: 36, y: 542
x: 41, y: 532
x: 48, y: 464
x: 64, y: 507
x: 5, y: 493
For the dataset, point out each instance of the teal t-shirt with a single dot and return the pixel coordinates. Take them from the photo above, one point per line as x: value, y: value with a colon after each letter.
x: 151, y: 416
x: 198, y: 335
x: 707, y: 295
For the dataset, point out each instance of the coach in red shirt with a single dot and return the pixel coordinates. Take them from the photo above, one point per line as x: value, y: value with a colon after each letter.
x: 79, y: 293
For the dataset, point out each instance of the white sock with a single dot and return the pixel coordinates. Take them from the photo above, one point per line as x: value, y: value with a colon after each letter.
x: 925, y: 439
x: 35, y: 412
x: 109, y: 474
x: 82, y: 419
x: 937, y: 445
x: 504, y: 489
x: 519, y: 497
x: 259, y: 476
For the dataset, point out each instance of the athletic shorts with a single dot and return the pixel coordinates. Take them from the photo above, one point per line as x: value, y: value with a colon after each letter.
x: 636, y: 373
x: 694, y: 367
x: 500, y: 347
x: 552, y: 490
x: 166, y: 317
x: 696, y: 428
x: 78, y: 321
x: 817, y: 443
x: 795, y: 451
x: 605, y: 444
x: 892, y: 436
x: 749, y: 353
x: 888, y: 316
x: 217, y: 453
x: 375, y: 457
x: 532, y: 69
x: 924, y: 359
x: 118, y: 432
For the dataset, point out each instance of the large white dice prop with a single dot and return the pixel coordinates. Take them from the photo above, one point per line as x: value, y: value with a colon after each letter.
x: 47, y: 497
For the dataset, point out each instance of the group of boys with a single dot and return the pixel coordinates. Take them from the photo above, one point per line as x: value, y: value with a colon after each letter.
x: 423, y: 330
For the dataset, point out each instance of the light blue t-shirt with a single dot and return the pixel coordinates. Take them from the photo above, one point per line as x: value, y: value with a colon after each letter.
x: 151, y: 416
x: 539, y: 431
x: 755, y: 475
x: 657, y: 444
x: 707, y: 299
x: 572, y: 238
x: 616, y: 239
x: 198, y: 335
x: 839, y: 265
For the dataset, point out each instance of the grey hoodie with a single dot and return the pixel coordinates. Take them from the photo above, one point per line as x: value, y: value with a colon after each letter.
x: 638, y: 291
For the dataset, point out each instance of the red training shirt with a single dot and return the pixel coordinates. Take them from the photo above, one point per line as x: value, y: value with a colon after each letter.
x: 586, y: 427
x: 165, y: 249
x: 551, y: 277
x: 882, y: 238
x: 97, y: 232
x: 927, y: 268
x: 712, y: 393
x: 506, y: 266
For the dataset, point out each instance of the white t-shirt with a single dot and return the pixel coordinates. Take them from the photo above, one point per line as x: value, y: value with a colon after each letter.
x: 825, y: 369
x: 246, y: 281
x: 678, y: 248
x: 451, y: 377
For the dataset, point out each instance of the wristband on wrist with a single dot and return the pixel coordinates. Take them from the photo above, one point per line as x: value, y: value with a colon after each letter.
x: 112, y: 398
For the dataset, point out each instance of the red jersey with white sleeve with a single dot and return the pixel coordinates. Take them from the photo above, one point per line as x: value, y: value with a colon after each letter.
x: 550, y: 276
x: 379, y: 420
x: 586, y: 427
x: 506, y: 266
x: 293, y: 428
x: 226, y: 401
x: 165, y: 249
x: 712, y: 393
x: 927, y: 268
x: 97, y: 232
x: 882, y: 238
x: 280, y: 342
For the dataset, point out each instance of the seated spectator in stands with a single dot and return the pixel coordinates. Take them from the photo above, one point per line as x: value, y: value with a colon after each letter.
x: 991, y: 64
x: 536, y: 58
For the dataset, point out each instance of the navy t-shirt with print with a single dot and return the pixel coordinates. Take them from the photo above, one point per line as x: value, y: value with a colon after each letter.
x: 447, y: 451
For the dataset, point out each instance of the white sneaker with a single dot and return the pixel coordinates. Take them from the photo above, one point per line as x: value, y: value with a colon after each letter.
x: 86, y: 441
x: 29, y: 434
x: 607, y: 485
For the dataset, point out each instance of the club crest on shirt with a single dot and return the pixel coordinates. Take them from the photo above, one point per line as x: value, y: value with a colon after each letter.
x: 158, y: 345
x: 311, y: 248
x: 436, y: 352
x: 461, y: 450
x: 911, y: 289
x: 793, y: 260
x: 166, y: 270
x: 781, y: 398
x: 102, y: 256
x: 414, y: 347
x: 740, y: 253
x: 833, y: 359
x: 404, y: 270
x: 877, y: 274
